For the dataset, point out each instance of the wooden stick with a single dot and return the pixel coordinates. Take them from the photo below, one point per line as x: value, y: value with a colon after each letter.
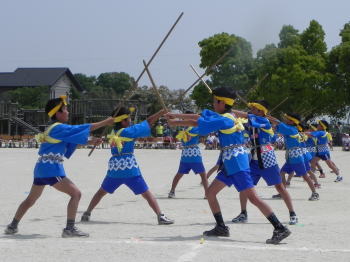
x: 134, y: 87
x: 208, y: 70
x: 201, y: 78
x: 154, y: 86
x: 284, y: 100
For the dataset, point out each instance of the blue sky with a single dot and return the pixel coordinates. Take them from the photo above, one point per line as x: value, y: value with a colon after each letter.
x: 96, y: 36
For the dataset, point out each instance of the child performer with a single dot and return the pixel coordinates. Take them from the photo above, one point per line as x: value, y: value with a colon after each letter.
x: 294, y: 152
x: 234, y: 161
x: 323, y: 149
x: 191, y: 158
x: 263, y: 162
x: 58, y: 141
x: 122, y: 166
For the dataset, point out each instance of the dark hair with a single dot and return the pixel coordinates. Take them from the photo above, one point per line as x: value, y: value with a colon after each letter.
x: 122, y: 111
x: 325, y: 123
x: 296, y: 116
x: 225, y: 92
x: 51, y: 104
x: 189, y: 112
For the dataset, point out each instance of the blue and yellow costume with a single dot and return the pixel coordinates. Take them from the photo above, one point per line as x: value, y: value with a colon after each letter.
x: 322, y: 148
x: 264, y: 162
x: 58, y: 141
x: 191, y: 158
x: 234, y: 156
x: 122, y: 166
x: 294, y: 151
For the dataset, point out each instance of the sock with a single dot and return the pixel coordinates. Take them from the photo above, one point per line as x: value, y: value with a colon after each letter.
x: 87, y: 213
x: 14, y: 223
x: 292, y: 213
x: 274, y: 221
x: 70, y: 223
x: 244, y: 212
x: 321, y: 170
x: 219, y: 220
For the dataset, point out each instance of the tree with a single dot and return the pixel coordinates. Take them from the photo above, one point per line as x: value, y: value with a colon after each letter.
x: 30, y: 97
x: 115, y: 83
x: 289, y: 36
x: 235, y: 71
x: 312, y: 39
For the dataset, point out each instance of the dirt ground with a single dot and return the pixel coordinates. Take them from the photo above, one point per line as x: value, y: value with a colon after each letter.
x: 124, y: 228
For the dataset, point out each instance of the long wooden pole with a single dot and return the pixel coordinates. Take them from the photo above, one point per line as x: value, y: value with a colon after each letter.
x: 134, y: 87
x: 208, y: 70
x: 201, y: 78
x: 154, y: 86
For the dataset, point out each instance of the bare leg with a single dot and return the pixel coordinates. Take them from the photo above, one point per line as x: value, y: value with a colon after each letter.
x: 309, y: 182
x: 283, y: 176
x: 152, y: 201
x: 313, y: 177
x: 212, y: 170
x: 256, y: 201
x: 290, y: 176
x: 285, y: 195
x: 176, y: 180
x: 67, y: 186
x: 204, y: 182
x: 332, y: 166
x: 34, y: 194
x: 215, y: 187
x: 96, y: 199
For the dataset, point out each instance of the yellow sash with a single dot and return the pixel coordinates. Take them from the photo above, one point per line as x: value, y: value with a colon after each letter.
x: 45, y: 138
x: 238, y: 124
x: 116, y: 140
x: 185, y: 135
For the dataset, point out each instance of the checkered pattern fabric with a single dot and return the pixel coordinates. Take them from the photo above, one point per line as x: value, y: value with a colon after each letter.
x: 51, y: 158
x: 128, y: 162
x: 294, y: 152
x: 269, y: 158
x: 191, y: 152
x: 311, y: 149
x: 233, y: 152
x: 322, y: 148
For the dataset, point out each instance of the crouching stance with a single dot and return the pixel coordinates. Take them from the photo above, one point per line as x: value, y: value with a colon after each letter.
x: 122, y: 166
x: 234, y: 166
x: 58, y: 141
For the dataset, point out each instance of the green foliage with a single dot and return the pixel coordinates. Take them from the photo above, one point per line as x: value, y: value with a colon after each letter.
x: 114, y: 83
x: 30, y: 97
x: 289, y: 36
x: 312, y: 39
x: 201, y: 96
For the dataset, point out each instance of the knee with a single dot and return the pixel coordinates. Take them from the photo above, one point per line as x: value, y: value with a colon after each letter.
x: 76, y: 194
x: 254, y: 199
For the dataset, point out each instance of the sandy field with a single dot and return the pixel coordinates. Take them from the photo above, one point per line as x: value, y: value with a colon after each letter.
x: 124, y: 228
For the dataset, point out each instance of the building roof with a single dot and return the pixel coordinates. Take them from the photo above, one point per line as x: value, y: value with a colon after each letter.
x: 31, y: 77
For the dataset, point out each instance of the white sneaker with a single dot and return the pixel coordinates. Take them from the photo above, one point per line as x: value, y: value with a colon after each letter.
x: 163, y: 220
x: 338, y: 179
x: 73, y: 232
x: 11, y: 230
x: 293, y: 220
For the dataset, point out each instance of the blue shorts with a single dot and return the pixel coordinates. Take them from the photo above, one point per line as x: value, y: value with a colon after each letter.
x: 299, y: 169
x: 185, y: 168
x: 324, y: 157
x: 271, y: 175
x: 43, y: 181
x: 307, y: 166
x: 241, y: 180
x: 136, y: 183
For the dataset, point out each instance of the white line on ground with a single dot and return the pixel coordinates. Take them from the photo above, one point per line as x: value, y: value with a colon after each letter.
x: 193, y: 252
x: 189, y: 256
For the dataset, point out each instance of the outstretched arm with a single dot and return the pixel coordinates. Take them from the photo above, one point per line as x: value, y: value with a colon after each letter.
x: 189, y: 122
x: 153, y: 118
x: 107, y: 122
x: 182, y: 116
x: 240, y: 113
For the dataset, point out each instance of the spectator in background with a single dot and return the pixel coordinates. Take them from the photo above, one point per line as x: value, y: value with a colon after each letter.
x: 159, y: 130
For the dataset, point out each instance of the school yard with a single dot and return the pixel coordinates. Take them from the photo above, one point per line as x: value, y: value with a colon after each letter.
x: 124, y: 228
